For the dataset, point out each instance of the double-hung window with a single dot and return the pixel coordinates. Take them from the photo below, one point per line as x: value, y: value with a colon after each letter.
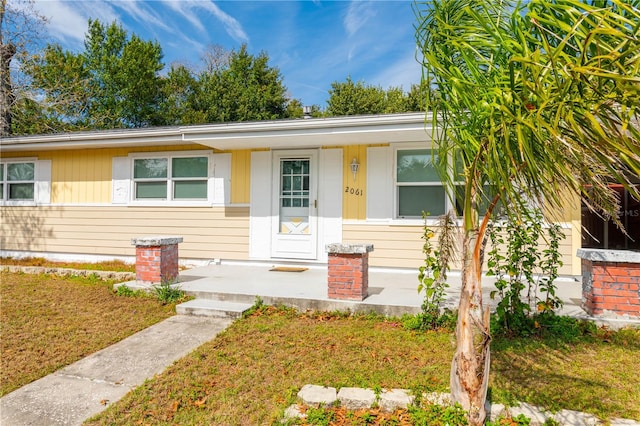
x: 17, y: 181
x: 171, y: 178
x: 418, y: 185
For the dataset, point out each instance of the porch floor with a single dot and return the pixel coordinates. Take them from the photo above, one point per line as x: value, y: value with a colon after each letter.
x: 391, y: 291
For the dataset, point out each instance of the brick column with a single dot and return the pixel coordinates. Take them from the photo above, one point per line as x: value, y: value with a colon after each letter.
x: 348, y: 271
x: 156, y: 259
x: 610, y: 282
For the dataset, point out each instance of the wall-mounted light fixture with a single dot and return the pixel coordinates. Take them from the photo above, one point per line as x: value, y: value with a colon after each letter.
x: 354, y: 167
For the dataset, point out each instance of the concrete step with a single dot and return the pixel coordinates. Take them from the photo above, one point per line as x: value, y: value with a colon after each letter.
x: 226, y: 296
x: 212, y: 308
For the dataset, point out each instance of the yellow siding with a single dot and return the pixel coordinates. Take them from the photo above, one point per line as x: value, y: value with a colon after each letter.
x: 401, y: 245
x: 84, y: 175
x: 240, y: 176
x: 208, y: 232
x: 354, y: 203
x: 570, y: 213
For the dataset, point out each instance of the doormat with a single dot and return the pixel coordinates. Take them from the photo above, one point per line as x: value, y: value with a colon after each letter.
x: 287, y: 269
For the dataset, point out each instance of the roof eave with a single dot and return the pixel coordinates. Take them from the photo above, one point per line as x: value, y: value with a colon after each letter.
x: 334, y: 131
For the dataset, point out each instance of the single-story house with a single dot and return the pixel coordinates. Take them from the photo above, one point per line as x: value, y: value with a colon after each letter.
x: 255, y: 191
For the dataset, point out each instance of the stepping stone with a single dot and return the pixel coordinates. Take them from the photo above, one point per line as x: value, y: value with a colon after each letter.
x: 576, y: 418
x: 314, y: 395
x: 392, y: 399
x: 356, y: 398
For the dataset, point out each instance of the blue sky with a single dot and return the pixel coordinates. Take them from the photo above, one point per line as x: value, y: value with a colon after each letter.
x: 313, y: 43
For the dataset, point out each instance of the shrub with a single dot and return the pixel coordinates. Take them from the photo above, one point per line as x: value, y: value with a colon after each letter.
x: 515, y: 261
x: 432, y: 276
x: 168, y: 293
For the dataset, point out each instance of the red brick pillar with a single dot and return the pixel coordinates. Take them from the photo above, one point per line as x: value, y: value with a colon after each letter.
x: 156, y: 259
x: 610, y: 282
x: 348, y: 271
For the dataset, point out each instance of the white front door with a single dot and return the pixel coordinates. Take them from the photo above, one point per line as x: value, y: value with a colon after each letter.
x: 295, y: 205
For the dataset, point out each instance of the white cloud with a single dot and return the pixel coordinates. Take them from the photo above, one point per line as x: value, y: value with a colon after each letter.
x: 188, y: 9
x: 67, y: 20
x: 63, y: 21
x: 232, y: 26
x: 184, y: 8
x: 404, y: 72
x: 145, y: 15
x: 358, y: 13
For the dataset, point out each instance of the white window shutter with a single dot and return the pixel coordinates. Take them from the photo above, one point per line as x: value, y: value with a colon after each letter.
x: 220, y: 179
x: 380, y: 183
x: 260, y: 210
x: 43, y: 182
x: 121, y: 180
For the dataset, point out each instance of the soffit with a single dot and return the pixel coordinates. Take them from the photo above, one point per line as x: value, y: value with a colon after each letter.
x: 301, y: 133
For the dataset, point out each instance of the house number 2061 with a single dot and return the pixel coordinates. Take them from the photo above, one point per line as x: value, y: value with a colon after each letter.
x: 353, y: 191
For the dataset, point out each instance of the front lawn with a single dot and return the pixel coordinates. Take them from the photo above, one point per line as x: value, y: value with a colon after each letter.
x: 112, y: 265
x: 252, y: 371
x: 47, y: 322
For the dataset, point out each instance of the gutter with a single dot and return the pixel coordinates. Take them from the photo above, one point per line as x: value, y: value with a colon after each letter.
x: 228, y: 135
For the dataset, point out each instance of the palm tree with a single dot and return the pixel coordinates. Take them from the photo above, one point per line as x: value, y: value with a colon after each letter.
x: 538, y: 100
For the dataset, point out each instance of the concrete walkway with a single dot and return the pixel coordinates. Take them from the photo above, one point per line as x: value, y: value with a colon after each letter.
x: 79, y: 391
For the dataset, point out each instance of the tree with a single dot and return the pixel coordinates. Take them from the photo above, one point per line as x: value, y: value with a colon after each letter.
x: 357, y: 98
x: 232, y: 86
x: 246, y: 88
x: 536, y: 100
x: 418, y: 96
x: 180, y: 90
x: 354, y: 98
x: 113, y: 83
x: 20, y: 30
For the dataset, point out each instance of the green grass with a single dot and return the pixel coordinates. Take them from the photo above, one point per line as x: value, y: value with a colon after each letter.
x: 598, y: 375
x: 47, y: 322
x: 252, y: 371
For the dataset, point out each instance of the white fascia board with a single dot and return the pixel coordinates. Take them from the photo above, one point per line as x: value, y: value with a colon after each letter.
x: 98, y: 139
x: 297, y: 133
x: 356, y: 130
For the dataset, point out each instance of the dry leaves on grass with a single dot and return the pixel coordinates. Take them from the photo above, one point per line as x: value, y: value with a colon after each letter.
x: 47, y: 322
x: 112, y: 265
x: 372, y: 416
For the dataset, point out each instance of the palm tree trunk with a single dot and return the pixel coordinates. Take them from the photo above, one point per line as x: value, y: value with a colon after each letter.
x: 470, y: 365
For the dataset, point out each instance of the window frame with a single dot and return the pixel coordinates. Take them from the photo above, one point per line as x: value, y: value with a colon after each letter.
x: 5, y: 182
x: 449, y: 202
x: 170, y: 198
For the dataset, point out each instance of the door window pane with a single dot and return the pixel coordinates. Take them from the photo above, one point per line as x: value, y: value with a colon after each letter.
x: 294, y: 196
x: 294, y: 178
x: 297, y: 183
x: 190, y: 189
